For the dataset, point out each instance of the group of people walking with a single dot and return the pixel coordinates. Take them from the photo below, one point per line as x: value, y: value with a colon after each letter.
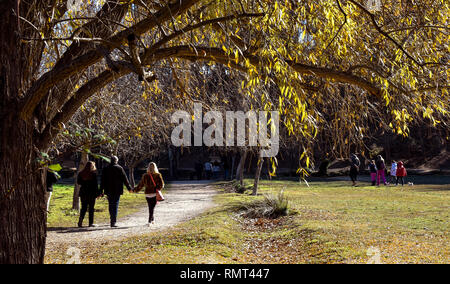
x: 377, y: 169
x: 212, y: 169
x: 113, y: 180
x: 398, y: 172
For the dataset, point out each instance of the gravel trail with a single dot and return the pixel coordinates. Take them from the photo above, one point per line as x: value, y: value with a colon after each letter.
x: 184, y: 201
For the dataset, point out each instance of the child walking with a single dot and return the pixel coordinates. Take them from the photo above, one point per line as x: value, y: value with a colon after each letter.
x: 393, y: 171
x: 381, y: 167
x: 401, y: 173
x: 373, y: 172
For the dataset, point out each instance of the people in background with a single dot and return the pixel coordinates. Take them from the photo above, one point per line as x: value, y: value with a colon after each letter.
x: 52, y: 178
x: 354, y: 168
x: 89, y: 192
x: 208, y: 170
x: 401, y: 173
x: 198, y: 169
x: 153, y: 183
x: 381, y: 168
x: 373, y: 172
x: 113, y: 180
x: 226, y: 167
x: 393, y: 171
x: 216, y: 169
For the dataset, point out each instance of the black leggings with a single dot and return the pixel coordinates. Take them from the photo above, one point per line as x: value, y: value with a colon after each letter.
x: 151, y: 208
x: 401, y: 179
x: 87, y: 203
x: 353, y: 173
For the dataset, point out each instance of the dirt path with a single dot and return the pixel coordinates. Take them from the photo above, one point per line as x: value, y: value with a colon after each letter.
x: 184, y: 200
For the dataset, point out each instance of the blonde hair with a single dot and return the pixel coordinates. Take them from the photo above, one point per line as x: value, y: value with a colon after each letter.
x: 92, y: 165
x: 155, y: 168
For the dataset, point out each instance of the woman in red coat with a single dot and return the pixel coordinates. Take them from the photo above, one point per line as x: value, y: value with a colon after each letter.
x: 401, y: 172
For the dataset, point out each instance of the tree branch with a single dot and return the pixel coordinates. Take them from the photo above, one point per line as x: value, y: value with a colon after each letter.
x: 386, y: 35
x: 218, y: 55
x: 64, y: 71
x: 189, y: 28
x: 76, y: 101
x: 193, y: 54
x: 341, y: 27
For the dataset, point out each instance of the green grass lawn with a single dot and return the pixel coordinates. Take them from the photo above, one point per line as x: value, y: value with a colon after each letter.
x: 62, y: 215
x: 331, y: 222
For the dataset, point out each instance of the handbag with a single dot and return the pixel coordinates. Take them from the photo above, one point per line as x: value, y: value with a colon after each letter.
x: 159, y: 195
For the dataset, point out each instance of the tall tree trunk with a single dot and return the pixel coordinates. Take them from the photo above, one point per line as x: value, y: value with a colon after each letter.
x: 76, y: 191
x: 170, y: 155
x: 269, y: 170
x: 250, y: 159
x: 22, y: 203
x: 233, y: 161
x: 131, y: 176
x: 258, y: 173
x: 22, y: 183
x: 241, y: 167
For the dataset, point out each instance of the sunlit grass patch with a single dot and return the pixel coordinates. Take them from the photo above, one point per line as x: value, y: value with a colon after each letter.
x: 333, y: 223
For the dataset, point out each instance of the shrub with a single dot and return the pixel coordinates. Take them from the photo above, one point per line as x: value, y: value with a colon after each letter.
x: 271, y: 206
x: 238, y: 188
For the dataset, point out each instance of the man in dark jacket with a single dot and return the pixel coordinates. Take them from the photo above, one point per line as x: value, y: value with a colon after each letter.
x: 113, y: 180
x: 199, y: 169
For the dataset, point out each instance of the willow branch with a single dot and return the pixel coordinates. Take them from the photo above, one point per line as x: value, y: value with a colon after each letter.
x: 385, y: 34
x: 218, y: 55
x: 59, y: 73
x: 342, y: 25
x: 189, y: 28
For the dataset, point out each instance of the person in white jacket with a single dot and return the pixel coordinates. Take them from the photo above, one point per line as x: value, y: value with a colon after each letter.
x: 394, y: 172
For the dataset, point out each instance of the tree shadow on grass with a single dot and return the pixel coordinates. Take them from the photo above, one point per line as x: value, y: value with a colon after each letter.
x: 68, y: 230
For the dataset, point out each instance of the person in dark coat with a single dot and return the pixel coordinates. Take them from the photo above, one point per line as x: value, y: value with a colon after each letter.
x: 208, y: 170
x: 113, y: 180
x: 373, y: 172
x: 52, y: 178
x: 226, y: 167
x: 89, y: 192
x: 381, y: 168
x: 354, y: 168
x: 199, y: 169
